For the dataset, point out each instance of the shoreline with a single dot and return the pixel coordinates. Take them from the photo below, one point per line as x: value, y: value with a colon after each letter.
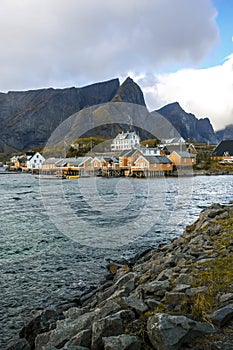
x: 152, y: 287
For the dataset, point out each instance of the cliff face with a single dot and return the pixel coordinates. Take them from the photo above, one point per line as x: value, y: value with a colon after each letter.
x: 129, y: 92
x: 28, y: 118
x: 188, y: 126
x: 225, y: 134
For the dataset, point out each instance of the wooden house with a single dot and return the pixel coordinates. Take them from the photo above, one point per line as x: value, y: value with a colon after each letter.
x: 224, y: 150
x: 182, y: 159
x: 150, y: 166
x: 127, y: 158
x: 125, y: 141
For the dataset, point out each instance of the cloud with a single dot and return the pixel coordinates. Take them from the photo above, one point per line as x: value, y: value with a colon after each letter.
x: 203, y: 92
x: 70, y: 42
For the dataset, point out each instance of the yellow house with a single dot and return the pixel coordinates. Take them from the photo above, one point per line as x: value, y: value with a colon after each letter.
x: 182, y: 159
x: 127, y: 158
x: 152, y: 166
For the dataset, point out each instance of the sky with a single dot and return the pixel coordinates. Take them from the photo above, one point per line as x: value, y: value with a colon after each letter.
x: 176, y: 50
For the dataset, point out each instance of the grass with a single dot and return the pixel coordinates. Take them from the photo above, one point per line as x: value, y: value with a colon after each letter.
x: 216, y: 274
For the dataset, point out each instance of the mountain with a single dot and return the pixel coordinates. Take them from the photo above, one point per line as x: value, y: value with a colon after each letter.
x: 29, y: 118
x: 225, y: 134
x: 188, y: 126
x: 129, y: 92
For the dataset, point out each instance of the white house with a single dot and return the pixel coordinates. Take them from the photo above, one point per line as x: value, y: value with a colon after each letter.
x: 34, y: 160
x: 125, y: 140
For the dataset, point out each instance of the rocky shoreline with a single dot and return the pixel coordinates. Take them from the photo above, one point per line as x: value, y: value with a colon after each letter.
x: 178, y: 296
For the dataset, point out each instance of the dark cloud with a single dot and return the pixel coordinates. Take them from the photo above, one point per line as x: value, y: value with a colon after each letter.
x: 70, y: 42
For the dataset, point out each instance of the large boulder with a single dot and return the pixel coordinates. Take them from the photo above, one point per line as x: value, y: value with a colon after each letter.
x: 122, y: 342
x: 222, y: 316
x: 168, y: 332
x: 112, y: 325
x: 44, y: 322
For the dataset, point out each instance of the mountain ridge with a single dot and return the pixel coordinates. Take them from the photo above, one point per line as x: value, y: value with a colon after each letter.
x: 28, y: 118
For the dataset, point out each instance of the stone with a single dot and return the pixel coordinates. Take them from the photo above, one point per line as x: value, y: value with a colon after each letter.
x: 219, y: 345
x: 74, y: 312
x: 42, y: 323
x: 168, y: 332
x: 226, y: 297
x: 127, y: 281
x: 73, y: 347
x: 213, y: 213
x: 197, y: 290
x: 152, y: 303
x: 181, y: 287
x: 174, y: 299
x: 22, y: 344
x: 122, y: 342
x: 83, y: 339
x: 64, y: 331
x: 105, y: 327
x: 134, y: 303
x: 113, y: 267
x: 106, y: 308
x: 222, y: 316
x: 184, y: 278
x: 157, y: 287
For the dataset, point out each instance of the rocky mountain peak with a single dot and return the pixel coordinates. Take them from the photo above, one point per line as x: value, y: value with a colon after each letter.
x: 129, y: 92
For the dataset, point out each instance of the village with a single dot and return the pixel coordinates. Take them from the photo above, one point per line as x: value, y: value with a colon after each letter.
x: 127, y: 157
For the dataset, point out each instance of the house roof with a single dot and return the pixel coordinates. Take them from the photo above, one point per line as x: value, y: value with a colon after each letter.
x: 126, y: 135
x: 173, y: 141
x: 168, y: 149
x: 52, y: 160
x: 80, y: 160
x: 157, y: 159
x: 185, y: 154
x: 124, y: 153
x: 222, y: 148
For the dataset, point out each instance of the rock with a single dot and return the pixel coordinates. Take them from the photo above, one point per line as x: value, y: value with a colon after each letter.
x: 174, y: 300
x: 110, y: 326
x: 197, y: 290
x: 216, y: 212
x: 184, y: 278
x: 106, y: 308
x: 225, y: 298
x: 181, y: 287
x: 113, y: 267
x: 223, y: 346
x: 152, y: 303
x: 41, y: 324
x: 74, y: 312
x: 157, y: 287
x: 222, y: 316
x: 134, y: 303
x: 64, y: 331
x: 105, y: 327
x: 122, y: 342
x: 83, y: 339
x: 73, y: 347
x: 22, y: 344
x: 168, y: 332
x: 127, y: 281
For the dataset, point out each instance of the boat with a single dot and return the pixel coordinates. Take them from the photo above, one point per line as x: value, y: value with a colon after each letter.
x: 71, y: 177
